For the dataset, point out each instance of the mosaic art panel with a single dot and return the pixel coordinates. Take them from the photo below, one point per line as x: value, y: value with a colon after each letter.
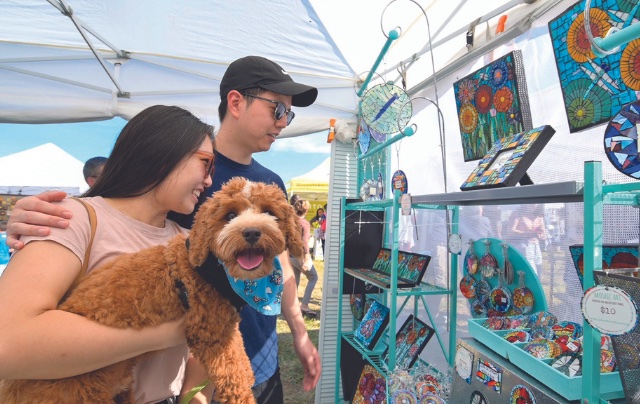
x: 509, y: 158
x: 595, y: 88
x: 492, y: 104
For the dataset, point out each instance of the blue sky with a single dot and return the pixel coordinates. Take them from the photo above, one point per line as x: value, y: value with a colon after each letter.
x: 289, y: 157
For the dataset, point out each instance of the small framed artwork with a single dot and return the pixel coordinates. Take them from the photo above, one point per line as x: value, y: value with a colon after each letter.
x: 507, y: 161
x: 410, y: 341
x: 372, y: 325
x: 371, y: 388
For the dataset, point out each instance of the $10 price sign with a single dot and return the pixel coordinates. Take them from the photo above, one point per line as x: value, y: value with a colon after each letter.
x: 609, y: 310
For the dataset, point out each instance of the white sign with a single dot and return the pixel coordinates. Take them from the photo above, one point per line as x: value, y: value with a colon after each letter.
x: 609, y: 310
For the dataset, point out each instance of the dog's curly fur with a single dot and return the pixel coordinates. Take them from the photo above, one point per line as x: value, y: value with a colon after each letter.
x: 139, y: 290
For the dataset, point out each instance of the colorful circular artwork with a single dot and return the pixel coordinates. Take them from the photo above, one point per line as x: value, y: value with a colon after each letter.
x: 404, y: 397
x: 477, y: 398
x: 520, y: 394
x: 471, y: 262
x: 500, y: 299
x: 399, y: 182
x: 569, y: 364
x: 478, y: 308
x: 386, y: 108
x: 468, y: 286
x: 432, y: 399
x: 621, y: 140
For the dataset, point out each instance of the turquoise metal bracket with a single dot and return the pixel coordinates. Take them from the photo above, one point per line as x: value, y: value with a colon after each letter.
x: 408, y: 131
x: 393, y: 35
x: 615, y: 39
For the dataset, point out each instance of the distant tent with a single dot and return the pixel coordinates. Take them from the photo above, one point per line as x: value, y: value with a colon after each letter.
x: 42, y: 168
x: 313, y: 186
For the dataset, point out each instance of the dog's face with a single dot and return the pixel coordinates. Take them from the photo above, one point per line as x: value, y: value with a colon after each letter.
x: 245, y: 225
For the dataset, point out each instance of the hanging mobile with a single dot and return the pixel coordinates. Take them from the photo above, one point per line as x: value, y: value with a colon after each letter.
x: 488, y: 263
x: 500, y: 298
x: 380, y: 184
x: 508, y: 266
x: 373, y: 185
x: 365, y: 193
x: 523, y: 300
x: 399, y: 179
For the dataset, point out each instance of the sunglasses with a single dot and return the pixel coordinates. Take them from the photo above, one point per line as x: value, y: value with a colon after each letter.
x: 210, y: 167
x: 280, y: 111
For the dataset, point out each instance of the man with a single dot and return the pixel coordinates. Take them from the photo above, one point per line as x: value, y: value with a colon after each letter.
x: 93, y: 168
x: 256, y: 97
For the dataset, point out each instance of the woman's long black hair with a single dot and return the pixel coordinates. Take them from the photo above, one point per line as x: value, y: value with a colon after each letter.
x: 149, y: 147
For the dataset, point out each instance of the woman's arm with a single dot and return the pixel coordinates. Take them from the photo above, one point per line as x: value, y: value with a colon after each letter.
x: 39, y: 341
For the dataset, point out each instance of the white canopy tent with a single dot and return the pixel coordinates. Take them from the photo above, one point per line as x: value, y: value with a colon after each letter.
x: 84, y: 60
x: 40, y: 169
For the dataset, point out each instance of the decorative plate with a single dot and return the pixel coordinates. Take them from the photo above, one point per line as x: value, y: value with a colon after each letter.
x: 386, y: 108
x: 399, y: 182
x: 404, y: 397
x: 520, y: 394
x: 569, y: 364
x: 478, y: 308
x: 471, y: 262
x: 432, y: 399
x: 364, y: 139
x: 517, y: 336
x: 621, y: 140
x: 468, y: 286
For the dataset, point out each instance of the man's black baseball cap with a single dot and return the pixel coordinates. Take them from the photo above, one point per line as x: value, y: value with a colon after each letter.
x: 256, y: 71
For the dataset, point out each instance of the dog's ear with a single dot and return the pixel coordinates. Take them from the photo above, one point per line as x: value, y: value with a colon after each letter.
x: 293, y: 236
x: 201, y: 235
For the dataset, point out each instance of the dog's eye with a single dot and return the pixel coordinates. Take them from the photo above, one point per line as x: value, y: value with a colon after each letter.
x: 231, y: 216
x: 270, y: 213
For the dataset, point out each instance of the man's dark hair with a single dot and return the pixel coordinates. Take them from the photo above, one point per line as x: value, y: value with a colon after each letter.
x: 92, y: 166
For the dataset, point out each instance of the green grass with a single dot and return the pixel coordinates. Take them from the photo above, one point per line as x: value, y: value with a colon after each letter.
x: 290, y: 367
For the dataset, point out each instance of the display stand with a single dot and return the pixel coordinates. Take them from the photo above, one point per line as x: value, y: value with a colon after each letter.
x: 394, y: 298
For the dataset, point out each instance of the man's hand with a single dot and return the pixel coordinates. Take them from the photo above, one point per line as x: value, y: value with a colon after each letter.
x: 34, y: 215
x: 310, y: 360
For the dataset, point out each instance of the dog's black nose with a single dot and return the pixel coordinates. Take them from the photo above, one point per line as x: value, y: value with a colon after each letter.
x: 251, y: 235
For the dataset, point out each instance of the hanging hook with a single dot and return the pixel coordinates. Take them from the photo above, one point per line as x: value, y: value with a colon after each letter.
x: 402, y: 70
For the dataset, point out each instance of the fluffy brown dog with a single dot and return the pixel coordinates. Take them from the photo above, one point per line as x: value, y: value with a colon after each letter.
x: 245, y: 225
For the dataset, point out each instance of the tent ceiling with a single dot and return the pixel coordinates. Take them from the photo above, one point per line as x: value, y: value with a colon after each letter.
x: 82, y: 60
x: 53, y: 69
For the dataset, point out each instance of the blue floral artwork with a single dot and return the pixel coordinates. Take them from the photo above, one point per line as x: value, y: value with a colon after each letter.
x: 595, y: 88
x: 372, y: 325
x: 492, y: 104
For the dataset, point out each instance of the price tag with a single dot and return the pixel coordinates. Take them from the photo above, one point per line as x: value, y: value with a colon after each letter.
x: 405, y: 204
x: 609, y: 310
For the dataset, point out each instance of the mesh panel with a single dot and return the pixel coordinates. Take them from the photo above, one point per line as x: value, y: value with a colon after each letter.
x: 626, y: 346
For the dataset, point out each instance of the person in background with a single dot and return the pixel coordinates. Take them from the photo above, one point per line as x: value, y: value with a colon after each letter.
x: 306, y: 265
x: 526, y: 230
x: 41, y: 342
x: 256, y: 98
x: 319, y: 222
x: 93, y: 168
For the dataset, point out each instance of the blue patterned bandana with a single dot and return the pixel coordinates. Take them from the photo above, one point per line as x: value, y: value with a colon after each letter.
x: 263, y: 294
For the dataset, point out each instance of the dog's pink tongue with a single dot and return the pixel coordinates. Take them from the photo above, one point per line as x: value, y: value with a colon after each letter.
x: 250, y: 259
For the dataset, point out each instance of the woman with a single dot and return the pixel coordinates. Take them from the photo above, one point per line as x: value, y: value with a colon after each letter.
x: 319, y: 221
x: 162, y: 161
x: 306, y: 267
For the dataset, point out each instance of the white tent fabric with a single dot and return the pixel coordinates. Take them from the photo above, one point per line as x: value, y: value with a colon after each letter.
x: 39, y: 169
x: 152, y: 52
